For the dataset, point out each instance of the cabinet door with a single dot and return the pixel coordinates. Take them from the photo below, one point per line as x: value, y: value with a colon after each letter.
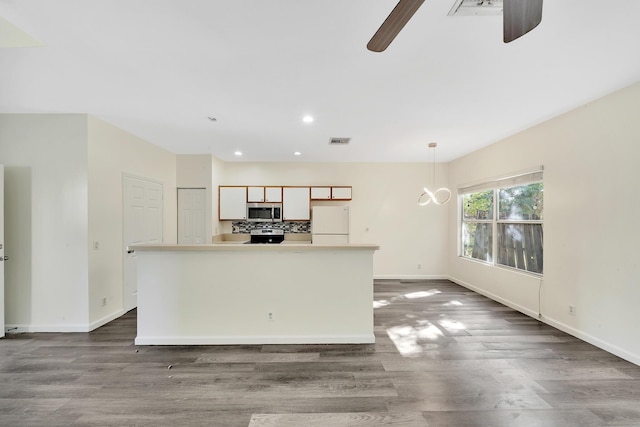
x: 296, y: 203
x: 320, y: 193
x: 340, y: 193
x: 255, y: 194
x: 232, y: 203
x: 273, y: 194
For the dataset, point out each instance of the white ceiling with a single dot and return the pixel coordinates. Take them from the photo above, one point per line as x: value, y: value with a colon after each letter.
x: 158, y: 68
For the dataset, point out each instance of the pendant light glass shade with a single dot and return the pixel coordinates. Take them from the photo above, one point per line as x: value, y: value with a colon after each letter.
x: 440, y: 196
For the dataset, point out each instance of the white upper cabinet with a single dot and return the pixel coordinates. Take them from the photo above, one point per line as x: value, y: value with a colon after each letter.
x: 296, y: 201
x: 232, y: 203
x: 340, y: 193
x: 320, y: 193
x: 296, y: 204
x: 273, y: 194
x: 255, y: 194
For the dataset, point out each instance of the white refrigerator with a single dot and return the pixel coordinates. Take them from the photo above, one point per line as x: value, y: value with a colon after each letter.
x: 330, y: 225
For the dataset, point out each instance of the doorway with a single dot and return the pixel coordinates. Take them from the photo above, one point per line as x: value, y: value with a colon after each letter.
x: 142, y: 224
x: 192, y: 216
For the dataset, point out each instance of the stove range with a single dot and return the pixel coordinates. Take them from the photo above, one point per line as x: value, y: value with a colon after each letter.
x: 266, y: 236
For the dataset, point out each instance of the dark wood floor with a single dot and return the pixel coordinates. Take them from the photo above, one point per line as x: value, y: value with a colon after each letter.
x: 444, y: 356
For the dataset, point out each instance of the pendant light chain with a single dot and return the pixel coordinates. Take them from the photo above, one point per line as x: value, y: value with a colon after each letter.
x: 433, y: 145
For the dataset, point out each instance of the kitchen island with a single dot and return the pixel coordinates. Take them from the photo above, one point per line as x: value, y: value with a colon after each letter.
x: 293, y: 293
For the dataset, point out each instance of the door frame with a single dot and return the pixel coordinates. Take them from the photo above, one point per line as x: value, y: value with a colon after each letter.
x: 125, y: 254
x: 2, y: 249
x: 205, y: 216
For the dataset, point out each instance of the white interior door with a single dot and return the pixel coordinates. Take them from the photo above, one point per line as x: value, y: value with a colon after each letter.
x: 142, y: 224
x: 191, y: 216
x: 1, y: 251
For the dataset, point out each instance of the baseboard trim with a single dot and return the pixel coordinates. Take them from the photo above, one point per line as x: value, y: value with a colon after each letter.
x: 105, y: 320
x: 229, y: 340
x: 630, y: 357
x: 508, y: 303
x: 21, y: 328
x: 410, y: 277
x: 18, y: 328
x: 610, y: 348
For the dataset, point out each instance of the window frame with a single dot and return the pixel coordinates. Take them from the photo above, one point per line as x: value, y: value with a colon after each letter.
x: 495, y: 185
x: 478, y: 221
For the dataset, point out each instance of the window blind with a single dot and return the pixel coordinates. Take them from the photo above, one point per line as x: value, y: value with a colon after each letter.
x: 514, y: 180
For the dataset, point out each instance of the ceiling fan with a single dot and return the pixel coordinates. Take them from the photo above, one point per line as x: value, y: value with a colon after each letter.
x: 519, y: 17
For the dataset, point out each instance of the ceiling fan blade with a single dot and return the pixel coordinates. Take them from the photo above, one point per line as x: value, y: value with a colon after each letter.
x: 520, y: 17
x: 391, y: 26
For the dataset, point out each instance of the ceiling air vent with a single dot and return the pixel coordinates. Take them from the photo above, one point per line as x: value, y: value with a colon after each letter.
x: 476, y: 7
x: 339, y: 141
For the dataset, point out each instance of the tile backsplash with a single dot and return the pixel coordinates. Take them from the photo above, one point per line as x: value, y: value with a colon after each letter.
x: 243, y: 227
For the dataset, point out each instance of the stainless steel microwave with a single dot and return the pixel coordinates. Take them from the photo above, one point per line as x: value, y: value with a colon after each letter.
x: 264, y: 212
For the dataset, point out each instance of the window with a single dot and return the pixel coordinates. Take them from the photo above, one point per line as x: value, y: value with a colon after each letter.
x: 503, y: 225
x: 477, y: 225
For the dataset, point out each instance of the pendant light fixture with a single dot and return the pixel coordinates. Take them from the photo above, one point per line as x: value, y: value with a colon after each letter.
x: 440, y: 196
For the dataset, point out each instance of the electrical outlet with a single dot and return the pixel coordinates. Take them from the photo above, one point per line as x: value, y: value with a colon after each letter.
x: 419, y: 266
x: 96, y: 245
x: 572, y: 310
x: 104, y: 301
x: 270, y: 316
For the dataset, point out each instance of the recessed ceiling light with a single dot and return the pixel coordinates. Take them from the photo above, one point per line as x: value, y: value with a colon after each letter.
x: 238, y: 153
x: 307, y: 119
x: 297, y: 153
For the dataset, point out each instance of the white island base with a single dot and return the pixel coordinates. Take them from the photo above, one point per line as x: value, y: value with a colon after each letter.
x: 255, y: 294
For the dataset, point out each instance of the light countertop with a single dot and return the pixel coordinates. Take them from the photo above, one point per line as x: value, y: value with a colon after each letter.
x: 241, y: 247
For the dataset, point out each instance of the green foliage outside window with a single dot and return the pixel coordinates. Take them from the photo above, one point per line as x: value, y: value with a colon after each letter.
x: 521, y: 203
x: 478, y: 205
x: 519, y: 230
x: 478, y: 236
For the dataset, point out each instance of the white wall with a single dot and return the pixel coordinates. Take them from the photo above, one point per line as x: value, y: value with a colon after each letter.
x: 591, y: 177
x: 64, y: 192
x: 45, y: 220
x: 112, y: 153
x: 384, y: 208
